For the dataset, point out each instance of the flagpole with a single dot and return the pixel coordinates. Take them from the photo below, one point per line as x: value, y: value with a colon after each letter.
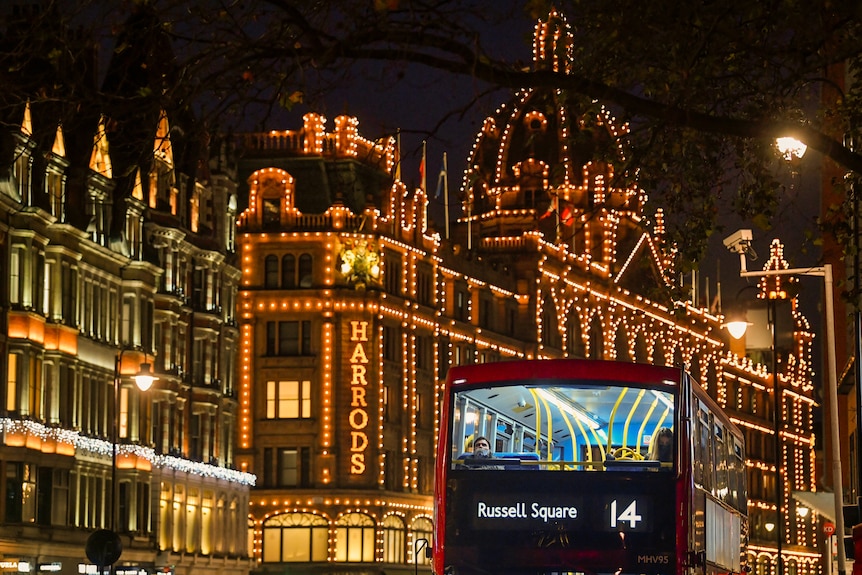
x: 423, y: 168
x: 557, y: 217
x: 446, y: 193
x: 398, y: 155
x: 469, y: 224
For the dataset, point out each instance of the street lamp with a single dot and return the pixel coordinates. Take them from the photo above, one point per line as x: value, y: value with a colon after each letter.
x: 104, y: 546
x: 741, y: 247
x: 418, y: 545
x: 790, y: 148
x: 144, y: 380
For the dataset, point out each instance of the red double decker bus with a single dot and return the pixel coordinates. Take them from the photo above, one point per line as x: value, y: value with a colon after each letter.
x: 581, y: 466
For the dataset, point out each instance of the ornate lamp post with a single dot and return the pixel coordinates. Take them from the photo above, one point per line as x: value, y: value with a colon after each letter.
x: 104, y: 546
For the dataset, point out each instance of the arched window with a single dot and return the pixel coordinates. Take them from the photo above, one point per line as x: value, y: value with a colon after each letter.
x: 574, y: 339
x: 305, y: 279
x: 640, y: 348
x: 294, y: 538
x: 678, y: 360
x: 550, y: 330
x: 288, y: 271
x: 422, y: 529
x: 355, y: 538
x: 658, y: 354
x: 270, y: 270
x: 597, y: 339
x: 393, y: 539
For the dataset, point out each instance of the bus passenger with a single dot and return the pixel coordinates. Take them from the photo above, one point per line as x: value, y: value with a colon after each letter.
x: 481, y: 450
x: 481, y: 447
x: 662, y: 446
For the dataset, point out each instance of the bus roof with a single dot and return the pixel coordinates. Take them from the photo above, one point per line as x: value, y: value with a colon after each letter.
x: 595, y: 370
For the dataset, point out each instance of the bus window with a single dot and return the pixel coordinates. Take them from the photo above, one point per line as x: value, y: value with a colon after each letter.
x: 719, y: 459
x: 566, y: 427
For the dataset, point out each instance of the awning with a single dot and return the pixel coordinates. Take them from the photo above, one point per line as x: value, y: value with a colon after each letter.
x: 822, y: 502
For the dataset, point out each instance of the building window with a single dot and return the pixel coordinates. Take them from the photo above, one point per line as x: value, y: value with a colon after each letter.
x: 207, y: 525
x: 20, y: 493
x: 12, y: 379
x: 59, y: 502
x: 288, y: 271
x: 288, y: 399
x: 485, y: 315
x: 15, y: 261
x: 550, y: 330
x: 21, y: 173
x: 422, y: 529
x: 424, y: 352
x: 392, y: 343
x: 424, y: 288
x: 270, y: 272
x: 394, y: 536
x: 294, y: 466
x: 355, y: 538
x: 295, y: 538
x: 99, y: 216
x: 271, y: 213
x: 393, y: 276
x: 288, y: 338
x: 305, y: 268
x: 386, y: 404
x: 418, y: 407
x: 460, y: 305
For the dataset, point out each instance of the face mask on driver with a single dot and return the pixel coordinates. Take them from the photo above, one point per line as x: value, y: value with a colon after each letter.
x: 482, y: 452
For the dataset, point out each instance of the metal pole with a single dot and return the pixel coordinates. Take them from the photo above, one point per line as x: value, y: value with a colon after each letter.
x: 114, y: 426
x: 837, y: 484
x: 776, y: 422
x: 857, y: 341
x: 850, y: 142
x: 837, y: 480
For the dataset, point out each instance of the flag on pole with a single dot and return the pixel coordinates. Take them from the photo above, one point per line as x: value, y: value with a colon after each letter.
x: 552, y: 209
x: 440, y: 180
x: 567, y: 214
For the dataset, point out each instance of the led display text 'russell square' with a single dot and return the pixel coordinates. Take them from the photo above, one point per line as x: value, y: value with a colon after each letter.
x: 519, y: 511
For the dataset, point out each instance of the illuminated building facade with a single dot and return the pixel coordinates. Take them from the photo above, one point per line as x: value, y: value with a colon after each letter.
x: 351, y: 310
x: 110, y: 264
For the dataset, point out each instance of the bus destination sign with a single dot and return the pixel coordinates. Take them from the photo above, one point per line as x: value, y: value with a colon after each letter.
x: 540, y: 511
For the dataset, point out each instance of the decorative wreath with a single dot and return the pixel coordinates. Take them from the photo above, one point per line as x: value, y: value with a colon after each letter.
x: 359, y: 261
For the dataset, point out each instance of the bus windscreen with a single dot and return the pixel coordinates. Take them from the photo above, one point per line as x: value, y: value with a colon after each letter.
x: 558, y: 427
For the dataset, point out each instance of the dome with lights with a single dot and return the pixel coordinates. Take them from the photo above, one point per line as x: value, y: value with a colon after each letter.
x: 555, y: 162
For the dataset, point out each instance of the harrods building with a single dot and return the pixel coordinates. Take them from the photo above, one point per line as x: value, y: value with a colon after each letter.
x: 352, y: 307
x: 301, y: 311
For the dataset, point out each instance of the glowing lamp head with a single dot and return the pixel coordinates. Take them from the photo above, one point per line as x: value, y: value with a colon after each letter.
x: 737, y: 328
x: 144, y: 378
x: 790, y: 148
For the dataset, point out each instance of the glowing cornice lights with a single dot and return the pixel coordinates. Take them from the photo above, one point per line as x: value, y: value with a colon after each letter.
x: 104, y: 448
